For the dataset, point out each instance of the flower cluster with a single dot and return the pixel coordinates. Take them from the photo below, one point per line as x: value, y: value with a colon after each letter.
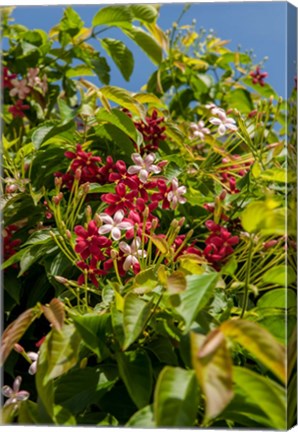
x: 199, y: 130
x: 21, y: 88
x: 218, y: 244
x: 118, y: 236
x: 152, y: 132
x: 258, y: 76
x: 221, y: 120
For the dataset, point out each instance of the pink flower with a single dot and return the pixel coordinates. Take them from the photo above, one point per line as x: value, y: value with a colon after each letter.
x: 114, y: 225
x: 175, y: 196
x: 132, y: 253
x: 223, y: 122
x: 258, y: 76
x: 19, y: 88
x: 88, y: 242
x: 34, y: 357
x: 14, y: 394
x: 143, y: 167
x: 17, y: 109
x: 199, y: 130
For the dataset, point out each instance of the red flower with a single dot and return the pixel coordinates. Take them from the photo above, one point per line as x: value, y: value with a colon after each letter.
x: 17, y: 109
x: 89, y: 242
x: 219, y: 243
x: 87, y: 163
x: 121, y: 200
x: 106, y: 170
x: 7, y: 78
x: 258, y: 76
x: 92, y: 271
x: 152, y: 132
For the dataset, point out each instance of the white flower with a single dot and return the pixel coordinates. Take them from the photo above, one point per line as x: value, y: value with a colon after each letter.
x: 20, y: 88
x: 132, y: 252
x: 114, y: 226
x: 223, y: 122
x: 214, y: 109
x: 175, y: 195
x: 199, y: 129
x: 144, y: 166
x: 14, y: 394
x: 34, y: 357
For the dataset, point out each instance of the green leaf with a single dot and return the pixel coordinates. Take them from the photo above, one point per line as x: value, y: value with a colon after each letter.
x: 44, y: 133
x: 146, y: 42
x: 78, y: 71
x: 119, y: 16
x: 120, y: 54
x: 198, y: 291
x: 263, y: 216
x: 213, y: 366
x: 135, y: 316
x: 122, y: 97
x: 136, y: 372
x: 120, y: 120
x: 62, y: 351
x: 72, y: 393
x: 28, y: 413
x: 145, y: 13
x: 142, y: 418
x: 282, y: 275
x: 278, y: 298
x: 265, y: 90
x: 71, y: 22
x: 175, y: 398
x: 93, y: 328
x: 264, y: 393
x: 240, y: 99
x: 259, y: 342
x: 163, y: 349
x: 101, y: 68
x: 279, y: 175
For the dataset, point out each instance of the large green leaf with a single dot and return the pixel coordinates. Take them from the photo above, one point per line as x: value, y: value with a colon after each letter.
x: 259, y: 342
x: 122, y: 97
x: 198, y: 291
x: 136, y: 372
x: 44, y: 133
x: 146, y: 42
x: 120, y: 120
x: 93, y: 329
x: 278, y: 298
x: 72, y: 392
x: 213, y: 366
x: 264, y: 393
x: 145, y: 13
x: 282, y: 275
x: 142, y: 418
x: 264, y: 217
x: 135, y: 316
x: 119, y: 16
x: 175, y: 398
x: 240, y: 99
x: 120, y: 54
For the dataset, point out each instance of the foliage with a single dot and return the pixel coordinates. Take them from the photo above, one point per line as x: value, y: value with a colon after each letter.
x: 149, y: 238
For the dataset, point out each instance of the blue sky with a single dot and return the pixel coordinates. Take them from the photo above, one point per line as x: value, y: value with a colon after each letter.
x: 260, y: 26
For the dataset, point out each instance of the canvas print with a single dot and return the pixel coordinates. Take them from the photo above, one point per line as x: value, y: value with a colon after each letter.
x: 149, y: 215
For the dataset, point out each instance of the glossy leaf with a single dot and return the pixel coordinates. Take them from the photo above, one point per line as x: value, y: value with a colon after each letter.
x: 120, y: 54
x: 119, y: 16
x: 281, y: 275
x: 136, y: 371
x: 146, y: 42
x: 121, y: 97
x: 198, y: 291
x: 145, y: 13
x: 278, y: 298
x: 142, y: 418
x: 214, y: 372
x: 93, y: 327
x: 259, y: 342
x: 175, y: 398
x: 120, y: 120
x: 135, y: 316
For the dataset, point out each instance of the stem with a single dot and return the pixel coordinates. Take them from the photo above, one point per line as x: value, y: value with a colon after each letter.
x: 247, y: 277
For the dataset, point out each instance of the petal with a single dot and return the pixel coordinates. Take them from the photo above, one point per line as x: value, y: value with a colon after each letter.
x: 128, y: 262
x: 137, y: 159
x: 124, y: 247
x: 105, y: 229
x: 155, y: 169
x: 149, y: 159
x: 106, y: 218
x: 134, y: 169
x: 116, y: 233
x: 125, y: 225
x: 143, y: 175
x: 32, y: 356
x: 119, y: 215
x: 22, y: 395
x: 7, y: 391
x: 33, y: 368
x: 16, y: 384
x: 222, y: 129
x: 215, y: 121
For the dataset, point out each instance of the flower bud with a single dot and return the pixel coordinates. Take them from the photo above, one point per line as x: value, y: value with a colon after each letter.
x: 222, y: 195
x: 88, y: 211
x: 78, y: 174
x: 269, y: 244
x: 68, y: 234
x: 61, y: 280
x: 114, y: 254
x: 181, y: 221
x: 18, y: 348
x: 58, y: 182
